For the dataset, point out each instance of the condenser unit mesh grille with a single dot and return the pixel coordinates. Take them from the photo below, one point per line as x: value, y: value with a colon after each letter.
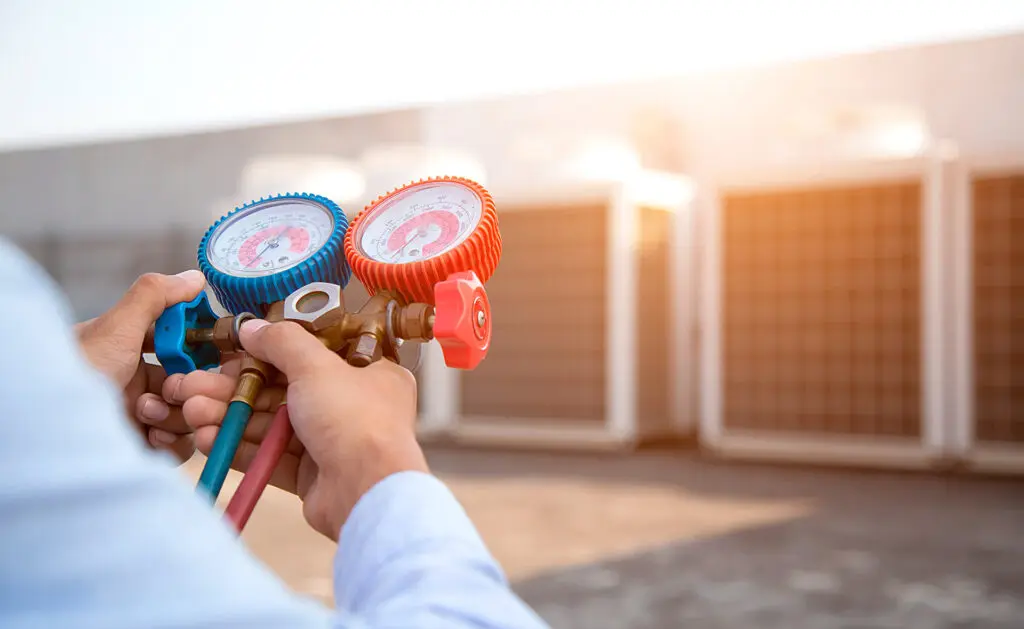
x: 821, y: 315
x: 999, y: 308
x: 547, y: 355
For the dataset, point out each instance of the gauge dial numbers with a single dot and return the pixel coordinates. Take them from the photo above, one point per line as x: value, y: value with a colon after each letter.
x: 420, y: 222
x: 270, y: 237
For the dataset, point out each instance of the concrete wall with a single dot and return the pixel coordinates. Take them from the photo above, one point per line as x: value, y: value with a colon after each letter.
x: 97, y: 216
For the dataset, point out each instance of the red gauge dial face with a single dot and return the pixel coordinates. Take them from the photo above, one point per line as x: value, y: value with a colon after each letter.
x: 420, y: 222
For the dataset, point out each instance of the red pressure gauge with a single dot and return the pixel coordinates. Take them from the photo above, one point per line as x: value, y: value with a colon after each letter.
x: 433, y: 241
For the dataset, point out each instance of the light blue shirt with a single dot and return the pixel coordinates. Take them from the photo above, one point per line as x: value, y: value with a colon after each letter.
x: 98, y: 531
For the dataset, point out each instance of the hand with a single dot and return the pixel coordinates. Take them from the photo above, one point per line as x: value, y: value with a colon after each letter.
x: 113, y: 341
x: 353, y: 426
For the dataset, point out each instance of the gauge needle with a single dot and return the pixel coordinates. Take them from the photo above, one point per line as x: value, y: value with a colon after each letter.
x: 422, y: 231
x: 271, y: 243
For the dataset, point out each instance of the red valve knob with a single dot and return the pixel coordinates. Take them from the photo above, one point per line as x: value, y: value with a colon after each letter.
x: 462, y: 319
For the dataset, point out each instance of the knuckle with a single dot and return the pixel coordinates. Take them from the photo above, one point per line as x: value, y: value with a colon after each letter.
x: 204, y: 438
x: 198, y: 412
x: 395, y: 378
x: 209, y: 384
x: 148, y: 282
x: 404, y: 377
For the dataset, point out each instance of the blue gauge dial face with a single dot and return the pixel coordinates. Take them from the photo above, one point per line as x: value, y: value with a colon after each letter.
x: 270, y: 237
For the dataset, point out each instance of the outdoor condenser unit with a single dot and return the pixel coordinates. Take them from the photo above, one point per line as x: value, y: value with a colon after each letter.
x: 585, y: 352
x: 818, y: 334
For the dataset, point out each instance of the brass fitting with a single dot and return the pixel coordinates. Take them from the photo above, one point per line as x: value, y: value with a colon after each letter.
x: 253, y: 375
x: 316, y: 306
x: 223, y: 334
x: 364, y: 351
x: 376, y: 330
x: 415, y: 322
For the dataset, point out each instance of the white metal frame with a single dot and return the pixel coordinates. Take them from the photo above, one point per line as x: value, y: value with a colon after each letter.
x: 442, y: 416
x: 870, y: 451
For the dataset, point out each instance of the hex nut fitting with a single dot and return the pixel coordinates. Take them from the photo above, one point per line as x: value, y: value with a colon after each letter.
x: 315, y: 306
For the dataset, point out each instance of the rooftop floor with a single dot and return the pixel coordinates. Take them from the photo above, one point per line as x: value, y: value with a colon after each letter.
x: 666, y: 540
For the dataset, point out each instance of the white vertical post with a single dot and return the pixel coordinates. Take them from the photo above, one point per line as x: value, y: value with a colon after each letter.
x: 935, y: 433
x: 710, y: 323
x: 682, y: 319
x: 440, y: 391
x: 961, y: 232
x: 621, y: 355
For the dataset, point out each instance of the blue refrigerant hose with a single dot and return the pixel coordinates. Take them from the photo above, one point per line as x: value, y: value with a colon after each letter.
x: 224, y: 447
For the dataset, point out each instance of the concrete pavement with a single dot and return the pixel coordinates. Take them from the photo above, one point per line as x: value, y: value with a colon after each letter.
x: 667, y: 540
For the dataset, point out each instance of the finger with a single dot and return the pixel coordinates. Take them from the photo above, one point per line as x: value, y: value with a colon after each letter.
x: 202, y: 412
x: 181, y: 446
x: 146, y: 300
x: 155, y: 376
x: 152, y: 410
x: 231, y: 364
x: 179, y: 388
x: 285, y: 474
x: 286, y: 345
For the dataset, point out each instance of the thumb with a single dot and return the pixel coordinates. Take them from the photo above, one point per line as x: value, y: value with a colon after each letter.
x: 148, y: 297
x: 288, y: 346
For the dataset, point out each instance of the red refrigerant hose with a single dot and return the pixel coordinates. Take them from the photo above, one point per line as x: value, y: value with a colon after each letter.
x: 261, y: 469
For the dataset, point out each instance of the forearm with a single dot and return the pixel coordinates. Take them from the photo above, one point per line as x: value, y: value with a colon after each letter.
x: 97, y: 531
x: 409, y: 555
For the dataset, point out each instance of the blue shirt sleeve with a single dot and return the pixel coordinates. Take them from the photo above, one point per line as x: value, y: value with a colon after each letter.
x: 96, y: 530
x: 410, y: 557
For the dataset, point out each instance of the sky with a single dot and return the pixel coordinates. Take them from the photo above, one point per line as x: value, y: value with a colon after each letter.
x: 73, y: 71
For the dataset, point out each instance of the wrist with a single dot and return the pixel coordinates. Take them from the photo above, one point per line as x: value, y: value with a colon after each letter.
x: 352, y: 474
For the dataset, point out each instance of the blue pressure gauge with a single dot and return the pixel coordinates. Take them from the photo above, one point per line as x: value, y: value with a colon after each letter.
x: 261, y: 252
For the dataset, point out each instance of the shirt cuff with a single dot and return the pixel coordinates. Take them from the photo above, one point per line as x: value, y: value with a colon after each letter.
x: 404, y: 513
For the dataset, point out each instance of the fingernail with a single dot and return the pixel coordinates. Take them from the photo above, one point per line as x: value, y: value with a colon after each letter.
x: 171, y: 387
x: 192, y: 275
x: 253, y: 325
x: 155, y: 410
x: 161, y: 437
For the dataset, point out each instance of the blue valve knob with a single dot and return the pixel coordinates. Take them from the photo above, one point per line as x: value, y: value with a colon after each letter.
x: 172, y: 349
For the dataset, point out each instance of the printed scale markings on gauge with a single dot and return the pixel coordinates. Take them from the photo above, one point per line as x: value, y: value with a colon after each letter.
x: 270, y: 237
x: 421, y: 222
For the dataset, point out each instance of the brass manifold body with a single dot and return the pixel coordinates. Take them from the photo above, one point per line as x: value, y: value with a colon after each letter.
x: 360, y: 337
